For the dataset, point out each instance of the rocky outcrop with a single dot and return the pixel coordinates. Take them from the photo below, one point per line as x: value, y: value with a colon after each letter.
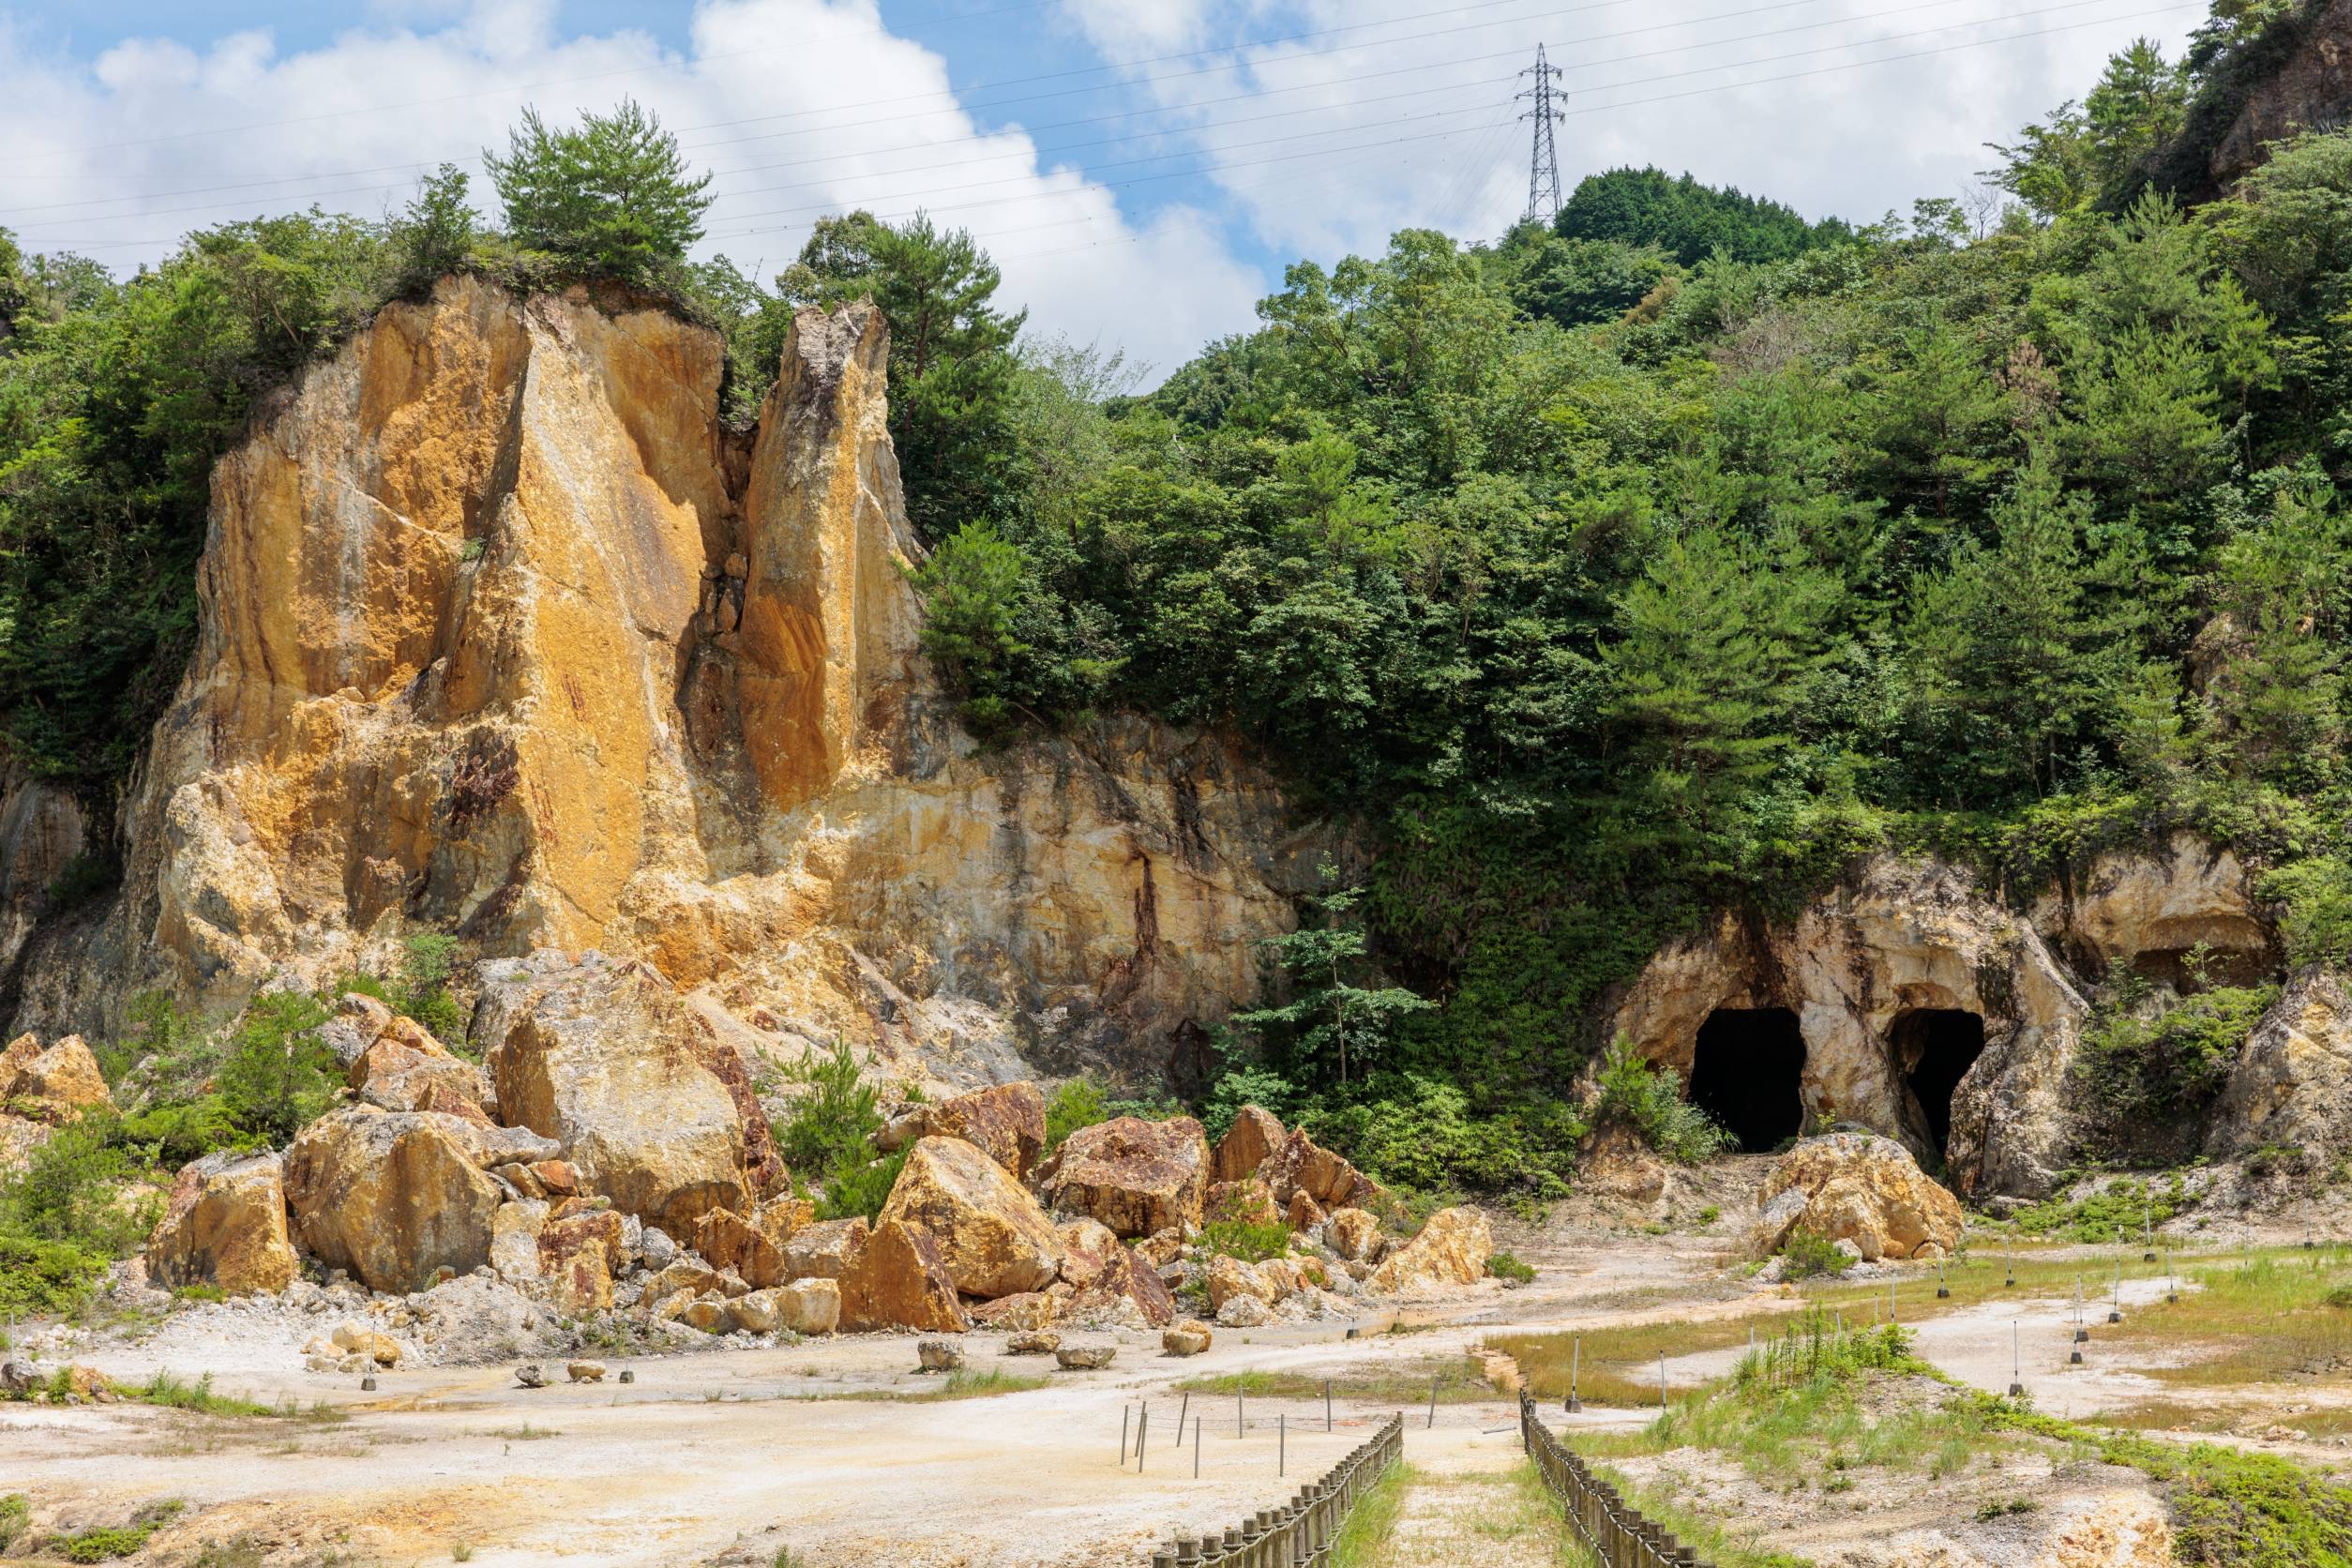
x: 392, y: 1197
x: 1854, y: 1187
x: 501, y: 634
x: 42, y: 832
x: 2153, y: 908
x: 2305, y: 85
x: 1901, y: 939
x: 600, y: 1057
x: 1008, y: 1121
x: 1134, y: 1176
x: 2292, y: 1085
x: 225, y: 1226
x: 991, y: 1234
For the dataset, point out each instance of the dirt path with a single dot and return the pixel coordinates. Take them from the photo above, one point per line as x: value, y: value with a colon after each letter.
x: 1468, y: 1498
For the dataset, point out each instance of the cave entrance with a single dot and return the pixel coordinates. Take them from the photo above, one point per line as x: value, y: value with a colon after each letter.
x: 1745, y: 1075
x: 1935, y: 1047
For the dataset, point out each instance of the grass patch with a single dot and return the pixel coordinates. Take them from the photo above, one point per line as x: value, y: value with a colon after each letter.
x: 524, y: 1432
x: 2271, y: 1317
x: 962, y: 1383
x: 1460, y: 1380
x: 2124, y: 1209
x: 1466, y: 1520
x: 108, y: 1541
x: 1370, y: 1527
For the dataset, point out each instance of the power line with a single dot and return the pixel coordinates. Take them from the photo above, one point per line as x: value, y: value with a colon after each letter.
x: 1543, y: 175
x: 1268, y: 92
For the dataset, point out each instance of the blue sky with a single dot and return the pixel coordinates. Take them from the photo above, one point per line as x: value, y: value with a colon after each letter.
x: 1143, y: 169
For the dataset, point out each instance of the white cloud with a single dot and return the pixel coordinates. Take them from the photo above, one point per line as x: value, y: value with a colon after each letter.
x: 801, y: 107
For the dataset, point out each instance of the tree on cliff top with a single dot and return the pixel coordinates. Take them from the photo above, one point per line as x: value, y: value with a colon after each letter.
x: 611, y: 195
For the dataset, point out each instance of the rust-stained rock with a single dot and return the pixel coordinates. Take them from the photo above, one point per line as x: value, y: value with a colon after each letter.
x: 1032, y: 1342
x: 1187, y: 1338
x: 1089, y: 1251
x: 994, y: 1238
x: 1028, y: 1311
x: 753, y: 1247
x: 395, y: 1075
x: 1134, y: 1176
x: 225, y: 1226
x: 603, y: 1058
x: 579, y: 1255
x: 1450, y: 1252
x: 1249, y: 1143
x: 391, y: 1196
x: 1131, y: 1278
x: 1008, y: 1121
x: 1354, y: 1234
x: 1862, y: 1189
x: 824, y: 1250
x: 1304, y: 1166
x: 1305, y: 1214
x: 898, y: 1280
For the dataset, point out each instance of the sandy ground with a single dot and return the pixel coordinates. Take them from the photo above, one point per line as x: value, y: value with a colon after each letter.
x: 726, y: 1457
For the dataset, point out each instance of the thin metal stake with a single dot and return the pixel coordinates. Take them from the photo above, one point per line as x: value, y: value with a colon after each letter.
x: 1196, y: 1448
x: 1140, y: 1427
x: 1433, y: 1404
x: 1183, y: 1410
x: 1662, y: 1379
x: 1240, y: 1422
x: 1326, y: 1404
x: 1125, y: 1415
x: 1282, y: 1442
x: 2016, y: 1363
x: 1576, y: 1356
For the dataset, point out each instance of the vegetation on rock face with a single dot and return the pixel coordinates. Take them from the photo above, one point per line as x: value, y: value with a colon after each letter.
x: 1661, y: 561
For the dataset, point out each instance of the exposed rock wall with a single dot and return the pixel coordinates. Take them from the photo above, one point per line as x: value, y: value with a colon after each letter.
x: 2309, y: 88
x: 1899, y: 937
x: 2152, y: 908
x: 503, y: 634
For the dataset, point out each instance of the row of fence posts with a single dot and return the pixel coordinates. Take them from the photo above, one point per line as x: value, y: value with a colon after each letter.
x: 1617, y: 1535
x: 1300, y: 1533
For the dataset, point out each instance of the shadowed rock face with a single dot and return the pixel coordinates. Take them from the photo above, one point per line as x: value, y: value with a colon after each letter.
x: 503, y: 634
x: 1901, y: 941
x: 2310, y: 89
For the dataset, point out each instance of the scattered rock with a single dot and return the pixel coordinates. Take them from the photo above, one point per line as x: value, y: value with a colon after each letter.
x: 16, y: 1377
x: 358, y: 1340
x: 1451, y: 1252
x: 1032, y: 1342
x: 1354, y: 1234
x: 1029, y: 1310
x: 1302, y: 1165
x: 1245, y: 1312
x: 1134, y: 1176
x: 584, y: 1371
x: 937, y: 1355
x: 1187, y: 1338
x: 991, y: 1234
x: 754, y: 1247
x: 811, y: 1306
x: 1084, y: 1358
x: 530, y: 1376
x: 225, y: 1226
x: 1305, y: 1214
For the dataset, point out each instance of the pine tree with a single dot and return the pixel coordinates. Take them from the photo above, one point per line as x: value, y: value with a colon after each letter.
x: 611, y: 195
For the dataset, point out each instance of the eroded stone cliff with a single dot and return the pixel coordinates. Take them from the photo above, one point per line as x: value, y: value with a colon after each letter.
x: 503, y: 634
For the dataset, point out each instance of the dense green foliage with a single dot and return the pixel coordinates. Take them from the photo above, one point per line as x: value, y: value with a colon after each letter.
x: 1658, y: 562
x: 1647, y: 1099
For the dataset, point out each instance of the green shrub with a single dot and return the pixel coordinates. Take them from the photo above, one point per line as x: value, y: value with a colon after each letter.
x: 1507, y: 1266
x: 1251, y: 1241
x: 15, y: 1509
x: 424, y: 993
x: 279, y: 1075
x: 2317, y: 924
x: 856, y: 1188
x: 1075, y: 1104
x: 46, y: 1277
x: 2144, y: 1073
x: 836, y: 1117
x: 112, y: 1540
x: 1647, y: 1098
x: 1423, y: 1131
x: 169, y: 1043
x: 2126, y: 1207
x: 1807, y: 1252
x: 172, y: 1134
x: 70, y: 1192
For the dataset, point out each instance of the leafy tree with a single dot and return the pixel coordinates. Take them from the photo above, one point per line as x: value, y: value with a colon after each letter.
x: 1328, y: 1011
x: 611, y: 195
x: 972, y: 585
x: 435, y: 232
x: 1688, y: 220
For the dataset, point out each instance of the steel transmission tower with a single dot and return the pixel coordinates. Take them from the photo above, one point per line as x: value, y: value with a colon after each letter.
x: 1542, y: 173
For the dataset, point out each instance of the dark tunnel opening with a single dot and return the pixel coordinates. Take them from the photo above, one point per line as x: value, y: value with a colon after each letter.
x: 1745, y: 1075
x: 1935, y: 1047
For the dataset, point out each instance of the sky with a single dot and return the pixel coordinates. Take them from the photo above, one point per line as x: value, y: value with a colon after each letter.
x: 1141, y: 170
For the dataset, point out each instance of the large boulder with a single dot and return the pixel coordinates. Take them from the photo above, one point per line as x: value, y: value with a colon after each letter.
x: 1134, y: 1176
x: 391, y: 1196
x: 602, y: 1057
x: 409, y: 1070
x: 1089, y: 1251
x: 2292, y: 1085
x: 1863, y: 1189
x: 53, y: 1085
x: 1248, y: 1144
x: 994, y: 1238
x: 225, y: 1226
x: 1127, y: 1276
x: 898, y: 1280
x: 1450, y: 1252
x: 825, y: 1250
x: 753, y: 1245
x: 1008, y: 1120
x: 579, y: 1255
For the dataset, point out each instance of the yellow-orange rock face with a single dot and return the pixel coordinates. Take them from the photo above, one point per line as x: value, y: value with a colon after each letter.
x: 992, y: 1236
x: 503, y: 633
x: 226, y: 1226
